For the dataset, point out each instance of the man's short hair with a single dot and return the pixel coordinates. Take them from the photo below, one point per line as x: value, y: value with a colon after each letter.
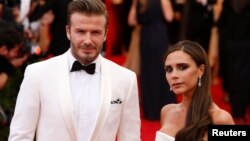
x: 10, y: 34
x: 95, y: 7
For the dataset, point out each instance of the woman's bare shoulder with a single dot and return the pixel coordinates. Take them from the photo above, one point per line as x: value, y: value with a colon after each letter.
x: 167, y: 112
x: 221, y: 116
x: 168, y: 107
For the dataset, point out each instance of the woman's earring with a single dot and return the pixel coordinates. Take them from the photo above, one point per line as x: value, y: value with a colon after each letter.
x: 199, y: 81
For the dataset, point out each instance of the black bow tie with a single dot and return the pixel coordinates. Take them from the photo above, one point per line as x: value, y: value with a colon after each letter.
x: 90, y: 69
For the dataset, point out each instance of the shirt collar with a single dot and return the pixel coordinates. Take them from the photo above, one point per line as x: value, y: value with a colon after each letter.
x: 72, y: 59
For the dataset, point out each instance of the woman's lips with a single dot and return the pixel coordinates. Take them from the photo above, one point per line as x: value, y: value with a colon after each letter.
x: 176, y: 85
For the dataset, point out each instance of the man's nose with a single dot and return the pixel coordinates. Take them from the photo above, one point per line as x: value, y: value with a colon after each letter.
x: 87, y: 38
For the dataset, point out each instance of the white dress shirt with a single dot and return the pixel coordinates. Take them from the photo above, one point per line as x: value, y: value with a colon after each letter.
x: 85, y: 91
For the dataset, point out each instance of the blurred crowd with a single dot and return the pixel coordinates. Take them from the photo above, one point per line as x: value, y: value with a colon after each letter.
x: 26, y: 31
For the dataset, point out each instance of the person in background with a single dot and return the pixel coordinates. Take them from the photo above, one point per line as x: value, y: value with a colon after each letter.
x: 230, y: 54
x: 175, y: 25
x: 58, y: 42
x: 10, y: 41
x: 132, y: 61
x: 11, y: 46
x: 11, y: 58
x: 152, y: 16
x: 188, y: 74
x: 78, y: 95
x: 197, y: 21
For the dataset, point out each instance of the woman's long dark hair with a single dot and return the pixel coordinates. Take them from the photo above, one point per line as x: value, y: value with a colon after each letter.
x: 197, y: 118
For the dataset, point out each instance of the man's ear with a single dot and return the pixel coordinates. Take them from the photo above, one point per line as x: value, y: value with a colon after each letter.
x: 105, y: 36
x: 68, y: 31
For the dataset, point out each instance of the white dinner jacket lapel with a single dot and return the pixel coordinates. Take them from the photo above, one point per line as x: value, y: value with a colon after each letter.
x: 105, y: 98
x: 66, y: 102
x: 65, y: 95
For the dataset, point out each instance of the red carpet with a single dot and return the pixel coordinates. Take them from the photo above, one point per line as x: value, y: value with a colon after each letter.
x: 149, y: 128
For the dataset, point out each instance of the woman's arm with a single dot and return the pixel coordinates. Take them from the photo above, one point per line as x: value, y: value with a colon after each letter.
x: 132, y: 20
x: 168, y: 11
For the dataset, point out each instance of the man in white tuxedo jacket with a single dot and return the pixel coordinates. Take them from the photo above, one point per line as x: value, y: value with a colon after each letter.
x: 80, y: 95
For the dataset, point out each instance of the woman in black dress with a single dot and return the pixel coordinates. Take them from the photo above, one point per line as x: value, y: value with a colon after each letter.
x: 153, y: 16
